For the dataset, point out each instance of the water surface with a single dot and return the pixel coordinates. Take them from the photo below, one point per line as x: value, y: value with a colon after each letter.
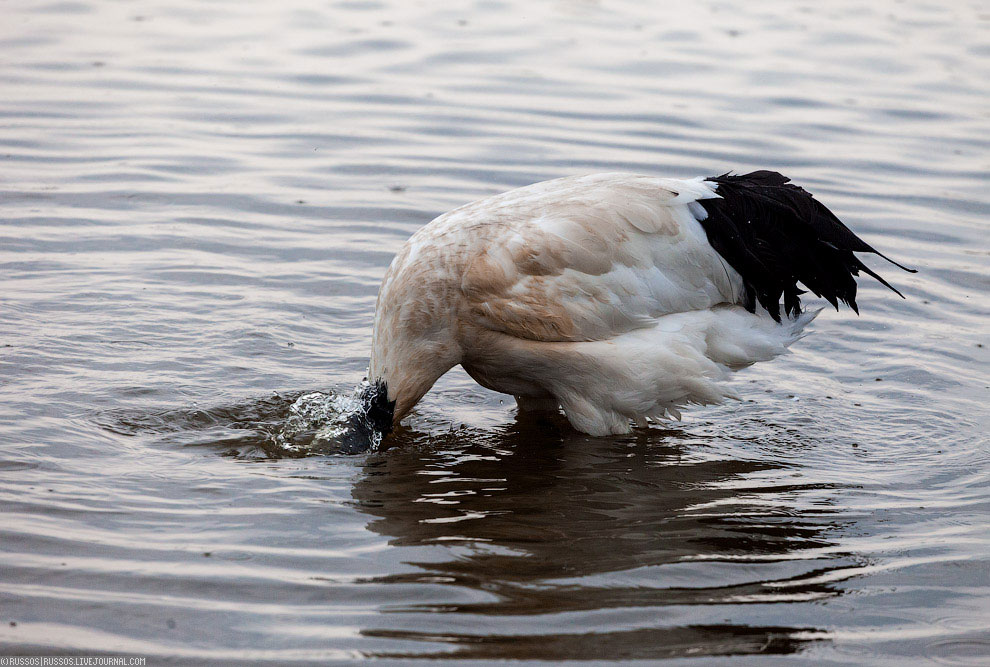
x: 198, y: 200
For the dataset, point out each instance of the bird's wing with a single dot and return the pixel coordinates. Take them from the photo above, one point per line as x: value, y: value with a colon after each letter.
x: 589, y: 258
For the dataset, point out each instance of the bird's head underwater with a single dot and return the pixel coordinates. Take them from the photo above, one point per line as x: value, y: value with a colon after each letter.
x: 367, y: 426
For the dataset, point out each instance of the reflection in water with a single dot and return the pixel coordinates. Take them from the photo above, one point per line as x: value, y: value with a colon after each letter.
x: 542, y: 521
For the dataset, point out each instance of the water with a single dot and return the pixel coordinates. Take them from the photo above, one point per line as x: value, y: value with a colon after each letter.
x: 198, y: 202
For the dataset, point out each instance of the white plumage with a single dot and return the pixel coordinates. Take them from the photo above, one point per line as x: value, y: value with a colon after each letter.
x: 600, y: 294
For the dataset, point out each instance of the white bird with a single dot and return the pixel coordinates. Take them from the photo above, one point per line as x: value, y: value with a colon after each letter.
x: 617, y: 297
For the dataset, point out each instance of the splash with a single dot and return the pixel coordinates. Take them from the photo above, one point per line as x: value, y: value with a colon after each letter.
x: 320, y: 422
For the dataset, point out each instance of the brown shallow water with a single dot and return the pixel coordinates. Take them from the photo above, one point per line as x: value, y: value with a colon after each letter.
x: 198, y: 199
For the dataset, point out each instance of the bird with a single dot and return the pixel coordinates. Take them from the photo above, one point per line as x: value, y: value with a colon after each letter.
x: 618, y: 298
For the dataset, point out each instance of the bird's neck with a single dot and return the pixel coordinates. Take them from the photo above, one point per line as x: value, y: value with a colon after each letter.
x: 407, y: 359
x: 415, y: 336
x: 405, y: 373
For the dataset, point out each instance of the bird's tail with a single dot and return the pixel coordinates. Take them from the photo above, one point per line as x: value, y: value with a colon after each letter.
x: 775, y: 235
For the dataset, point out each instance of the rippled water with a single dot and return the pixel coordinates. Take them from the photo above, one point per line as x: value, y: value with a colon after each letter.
x: 198, y: 200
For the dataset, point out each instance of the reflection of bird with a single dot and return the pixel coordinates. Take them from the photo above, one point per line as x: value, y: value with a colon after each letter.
x: 614, y: 296
x: 480, y: 520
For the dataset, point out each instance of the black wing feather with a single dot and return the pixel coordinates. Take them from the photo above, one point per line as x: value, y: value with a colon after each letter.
x: 775, y: 235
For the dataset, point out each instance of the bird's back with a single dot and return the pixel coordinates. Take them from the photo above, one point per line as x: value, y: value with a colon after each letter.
x: 580, y: 258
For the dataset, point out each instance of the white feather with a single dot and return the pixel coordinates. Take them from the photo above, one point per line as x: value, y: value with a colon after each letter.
x: 684, y: 358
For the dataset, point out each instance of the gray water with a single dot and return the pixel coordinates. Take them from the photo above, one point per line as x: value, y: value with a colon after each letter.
x: 198, y: 200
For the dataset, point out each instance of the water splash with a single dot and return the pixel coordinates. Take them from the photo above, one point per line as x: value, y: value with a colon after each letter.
x: 297, y: 425
x: 321, y: 422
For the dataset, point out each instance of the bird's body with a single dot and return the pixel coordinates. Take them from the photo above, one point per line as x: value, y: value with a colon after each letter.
x: 605, y: 294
